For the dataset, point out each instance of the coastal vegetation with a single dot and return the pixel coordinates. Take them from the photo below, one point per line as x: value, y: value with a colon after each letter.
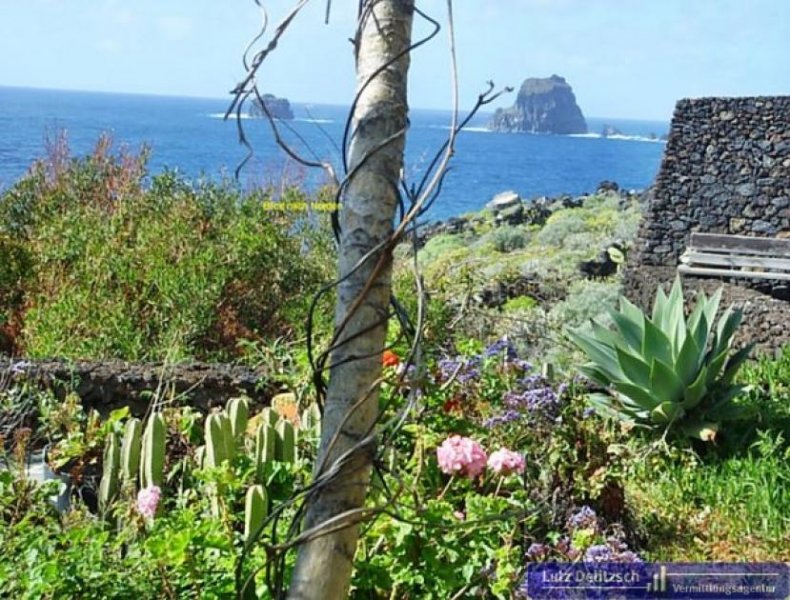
x: 510, y: 461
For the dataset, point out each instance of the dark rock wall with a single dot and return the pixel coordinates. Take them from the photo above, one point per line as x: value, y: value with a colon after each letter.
x: 112, y: 384
x: 726, y: 169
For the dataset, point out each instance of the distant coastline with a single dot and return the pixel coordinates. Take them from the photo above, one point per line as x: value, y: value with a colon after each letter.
x: 190, y: 136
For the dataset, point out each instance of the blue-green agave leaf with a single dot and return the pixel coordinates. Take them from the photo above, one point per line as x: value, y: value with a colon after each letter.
x: 664, y: 382
x: 695, y: 392
x: 634, y: 368
x: 688, y: 360
x: 631, y: 331
x: 734, y: 363
x: 601, y: 354
x: 656, y: 344
x: 666, y: 412
x: 592, y: 371
x: 659, y: 306
x: 636, y: 397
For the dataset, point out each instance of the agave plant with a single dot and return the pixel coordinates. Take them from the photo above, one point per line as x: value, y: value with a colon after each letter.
x: 666, y: 371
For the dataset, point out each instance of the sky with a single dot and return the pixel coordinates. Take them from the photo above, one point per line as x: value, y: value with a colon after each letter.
x: 623, y: 58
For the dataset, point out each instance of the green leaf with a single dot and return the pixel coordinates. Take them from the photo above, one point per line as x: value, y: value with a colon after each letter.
x: 688, y: 360
x: 595, y: 373
x: 601, y: 354
x: 606, y: 336
x: 631, y: 311
x: 674, y: 324
x: 605, y: 407
x: 715, y: 366
x: 664, y: 382
x: 701, y: 333
x: 631, y: 331
x: 695, y: 316
x: 659, y: 306
x: 734, y: 363
x: 640, y: 398
x: 635, y: 368
x: 712, y: 306
x: 666, y: 412
x: 728, y: 324
x: 695, y: 392
x: 656, y: 344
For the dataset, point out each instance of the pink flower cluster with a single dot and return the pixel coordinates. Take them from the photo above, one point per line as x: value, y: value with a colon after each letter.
x: 148, y: 500
x: 506, y: 462
x: 463, y: 456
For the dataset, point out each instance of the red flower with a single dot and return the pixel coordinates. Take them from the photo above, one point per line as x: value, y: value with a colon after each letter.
x: 452, y: 404
x: 390, y: 359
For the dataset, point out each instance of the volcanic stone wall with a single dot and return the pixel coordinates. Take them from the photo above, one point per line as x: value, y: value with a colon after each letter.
x: 726, y: 169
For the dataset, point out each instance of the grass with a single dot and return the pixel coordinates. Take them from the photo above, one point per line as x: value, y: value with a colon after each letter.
x: 733, y: 502
x: 735, y: 509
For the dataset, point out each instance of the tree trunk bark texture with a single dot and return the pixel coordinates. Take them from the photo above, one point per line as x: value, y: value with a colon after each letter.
x: 324, y: 563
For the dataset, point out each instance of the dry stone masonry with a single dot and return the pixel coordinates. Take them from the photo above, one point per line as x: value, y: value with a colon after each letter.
x: 726, y: 169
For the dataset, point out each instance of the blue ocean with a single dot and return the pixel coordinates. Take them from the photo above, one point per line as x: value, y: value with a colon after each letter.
x: 189, y: 135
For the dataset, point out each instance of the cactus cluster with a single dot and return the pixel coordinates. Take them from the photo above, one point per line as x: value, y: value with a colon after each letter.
x: 274, y: 438
x: 136, y: 454
x: 137, y: 457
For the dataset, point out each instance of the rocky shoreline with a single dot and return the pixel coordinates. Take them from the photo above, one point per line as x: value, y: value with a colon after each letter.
x: 509, y: 208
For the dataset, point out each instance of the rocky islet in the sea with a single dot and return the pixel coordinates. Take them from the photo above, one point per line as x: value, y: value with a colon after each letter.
x: 279, y: 108
x: 543, y: 105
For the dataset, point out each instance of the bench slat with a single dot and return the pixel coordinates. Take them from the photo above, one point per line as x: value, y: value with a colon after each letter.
x: 689, y: 270
x: 740, y: 244
x: 723, y: 260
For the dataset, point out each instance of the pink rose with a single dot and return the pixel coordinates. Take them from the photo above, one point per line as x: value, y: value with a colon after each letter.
x: 505, y: 462
x: 148, y: 500
x: 461, y: 456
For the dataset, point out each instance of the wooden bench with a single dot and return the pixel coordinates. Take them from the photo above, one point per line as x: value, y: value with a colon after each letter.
x: 716, y: 255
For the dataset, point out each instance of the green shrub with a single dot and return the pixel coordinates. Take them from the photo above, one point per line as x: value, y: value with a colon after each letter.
x: 666, y: 371
x: 508, y: 238
x: 520, y: 304
x: 174, y: 270
x: 586, y: 299
x: 559, y: 226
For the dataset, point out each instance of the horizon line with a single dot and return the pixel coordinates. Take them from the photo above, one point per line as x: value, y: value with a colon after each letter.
x: 297, y: 102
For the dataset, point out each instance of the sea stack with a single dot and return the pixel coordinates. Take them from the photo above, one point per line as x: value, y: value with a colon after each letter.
x: 279, y: 108
x: 543, y: 105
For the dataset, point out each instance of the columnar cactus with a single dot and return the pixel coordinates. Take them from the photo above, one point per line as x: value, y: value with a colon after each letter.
x: 256, y: 509
x: 311, y: 420
x: 216, y: 449
x: 227, y: 436
x: 108, y: 488
x: 130, y: 450
x: 200, y: 457
x: 269, y: 416
x: 265, y: 441
x: 285, y: 443
x: 239, y: 412
x: 153, y: 451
